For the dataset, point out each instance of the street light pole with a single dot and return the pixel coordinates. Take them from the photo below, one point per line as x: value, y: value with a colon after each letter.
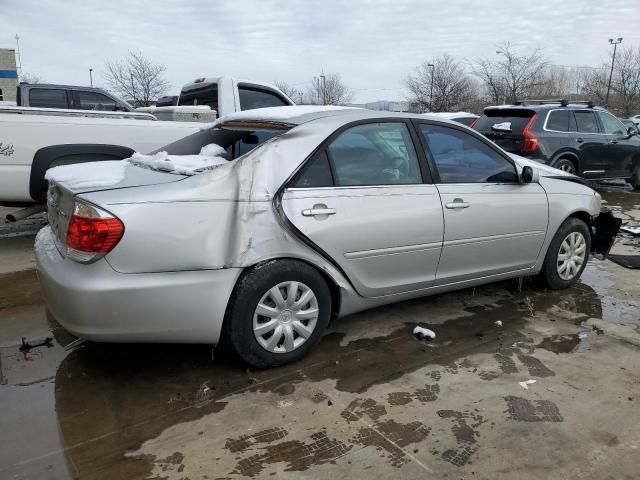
x: 431, y: 90
x: 91, y: 76
x: 615, y: 46
x: 324, y: 89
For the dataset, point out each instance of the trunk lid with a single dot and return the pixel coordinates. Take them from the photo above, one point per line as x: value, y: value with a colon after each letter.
x: 93, y: 177
x: 505, y: 126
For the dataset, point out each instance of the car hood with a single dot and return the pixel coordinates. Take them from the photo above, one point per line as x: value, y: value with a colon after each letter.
x: 544, y: 170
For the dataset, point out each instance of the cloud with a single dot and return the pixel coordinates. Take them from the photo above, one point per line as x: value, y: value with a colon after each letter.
x: 372, y: 44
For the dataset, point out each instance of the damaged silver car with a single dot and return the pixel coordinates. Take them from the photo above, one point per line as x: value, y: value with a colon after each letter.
x: 338, y: 211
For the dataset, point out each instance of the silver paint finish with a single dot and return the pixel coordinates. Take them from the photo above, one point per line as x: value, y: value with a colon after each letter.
x: 186, y: 242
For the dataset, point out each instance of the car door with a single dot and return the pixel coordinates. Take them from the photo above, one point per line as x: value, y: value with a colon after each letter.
x: 591, y: 144
x: 618, y: 152
x: 492, y: 223
x: 364, y: 200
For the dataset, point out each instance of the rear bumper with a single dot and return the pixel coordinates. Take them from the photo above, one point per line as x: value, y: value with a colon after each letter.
x: 97, y: 303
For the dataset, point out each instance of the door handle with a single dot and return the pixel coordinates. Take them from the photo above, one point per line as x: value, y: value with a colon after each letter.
x: 457, y: 203
x: 316, y: 210
x: 579, y: 140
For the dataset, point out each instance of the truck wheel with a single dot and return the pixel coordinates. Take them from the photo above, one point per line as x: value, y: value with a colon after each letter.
x: 567, y: 255
x: 566, y: 165
x: 277, y: 313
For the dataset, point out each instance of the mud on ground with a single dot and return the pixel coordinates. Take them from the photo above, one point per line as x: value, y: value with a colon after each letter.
x: 371, y: 401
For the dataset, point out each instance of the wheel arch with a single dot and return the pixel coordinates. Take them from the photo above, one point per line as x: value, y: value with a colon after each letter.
x: 45, y: 157
x: 332, y: 283
x: 568, y: 154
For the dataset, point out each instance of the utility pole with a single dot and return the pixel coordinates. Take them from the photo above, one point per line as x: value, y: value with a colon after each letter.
x: 431, y: 91
x: 91, y: 76
x: 18, y: 54
x: 615, y: 46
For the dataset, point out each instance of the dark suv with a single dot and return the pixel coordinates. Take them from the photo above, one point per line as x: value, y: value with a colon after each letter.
x: 577, y: 138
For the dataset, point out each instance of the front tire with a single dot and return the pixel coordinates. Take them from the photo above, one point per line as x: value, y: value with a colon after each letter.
x: 277, y: 313
x: 567, y: 255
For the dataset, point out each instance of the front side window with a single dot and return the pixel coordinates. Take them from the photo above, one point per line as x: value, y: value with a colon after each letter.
x: 586, y: 121
x: 462, y: 158
x: 48, y: 98
x: 251, y: 98
x: 374, y: 154
x: 611, y: 125
x: 95, y: 101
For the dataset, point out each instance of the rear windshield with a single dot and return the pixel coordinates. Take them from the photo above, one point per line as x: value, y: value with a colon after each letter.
x: 503, y: 120
x: 205, y: 95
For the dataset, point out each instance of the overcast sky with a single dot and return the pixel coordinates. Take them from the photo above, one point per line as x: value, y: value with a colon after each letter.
x: 373, y: 44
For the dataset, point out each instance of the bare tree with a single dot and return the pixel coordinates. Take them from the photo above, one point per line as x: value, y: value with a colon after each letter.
x: 290, y: 91
x: 27, y: 77
x: 330, y: 90
x: 512, y: 75
x: 452, y: 87
x: 137, y: 79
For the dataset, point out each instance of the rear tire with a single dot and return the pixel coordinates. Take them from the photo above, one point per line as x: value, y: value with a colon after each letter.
x: 567, y: 255
x: 566, y: 165
x: 278, y: 311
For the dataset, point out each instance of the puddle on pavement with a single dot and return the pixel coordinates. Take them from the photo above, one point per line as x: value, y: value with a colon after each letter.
x: 109, y: 399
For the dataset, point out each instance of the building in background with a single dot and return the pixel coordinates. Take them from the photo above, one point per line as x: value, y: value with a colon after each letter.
x: 8, y: 75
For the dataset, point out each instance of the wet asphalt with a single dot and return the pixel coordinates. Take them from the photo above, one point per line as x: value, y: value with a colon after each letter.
x: 553, y: 392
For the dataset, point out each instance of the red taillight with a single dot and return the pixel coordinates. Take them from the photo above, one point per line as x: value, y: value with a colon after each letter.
x: 530, y: 144
x: 92, y: 233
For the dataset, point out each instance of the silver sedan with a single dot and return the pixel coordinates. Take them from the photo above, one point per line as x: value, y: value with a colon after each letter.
x: 340, y: 210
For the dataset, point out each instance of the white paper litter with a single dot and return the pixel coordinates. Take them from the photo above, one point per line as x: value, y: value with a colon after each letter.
x: 526, y: 384
x: 498, y: 323
x: 210, y: 156
x: 424, y: 333
x: 504, y: 126
x: 631, y: 230
x: 88, y: 174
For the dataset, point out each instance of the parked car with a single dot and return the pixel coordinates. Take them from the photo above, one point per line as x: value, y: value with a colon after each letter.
x: 339, y: 211
x: 635, y: 119
x: 464, y: 118
x: 630, y: 124
x: 74, y: 97
x: 577, y: 138
x: 34, y: 139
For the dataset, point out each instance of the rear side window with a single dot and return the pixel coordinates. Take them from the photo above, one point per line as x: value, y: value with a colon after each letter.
x: 462, y: 158
x: 252, y: 98
x: 503, y: 120
x: 48, y: 98
x: 95, y: 101
x: 586, y: 121
x: 558, y: 121
x: 316, y: 174
x: 374, y: 154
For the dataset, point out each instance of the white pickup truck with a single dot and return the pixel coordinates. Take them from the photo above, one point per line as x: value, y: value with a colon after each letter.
x: 34, y: 139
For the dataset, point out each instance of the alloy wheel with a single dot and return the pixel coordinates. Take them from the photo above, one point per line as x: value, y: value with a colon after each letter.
x: 285, y: 317
x: 571, y: 256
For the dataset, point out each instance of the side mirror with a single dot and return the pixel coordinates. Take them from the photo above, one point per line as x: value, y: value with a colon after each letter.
x: 631, y: 131
x: 529, y: 175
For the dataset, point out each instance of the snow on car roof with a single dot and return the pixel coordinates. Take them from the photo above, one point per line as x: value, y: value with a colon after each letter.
x: 291, y: 114
x: 450, y: 115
